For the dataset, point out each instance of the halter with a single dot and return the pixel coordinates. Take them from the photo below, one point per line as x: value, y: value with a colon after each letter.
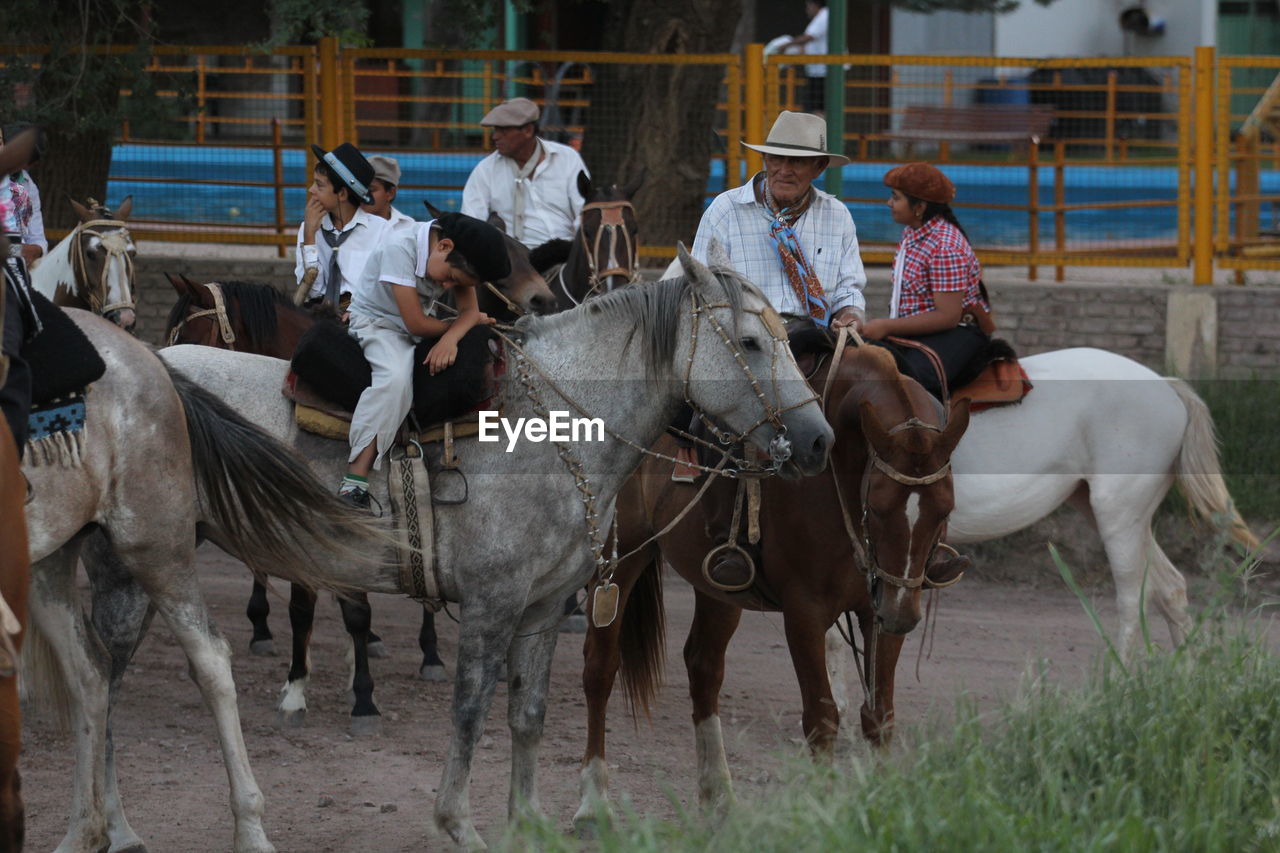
x: 218, y: 310
x: 612, y: 223
x: 116, y: 244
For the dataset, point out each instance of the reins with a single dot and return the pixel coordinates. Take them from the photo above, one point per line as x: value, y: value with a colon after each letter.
x: 613, y: 223
x: 219, y: 310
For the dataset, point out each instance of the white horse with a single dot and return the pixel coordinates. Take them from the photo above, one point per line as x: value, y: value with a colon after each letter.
x: 92, y: 267
x: 517, y: 547
x: 1110, y: 437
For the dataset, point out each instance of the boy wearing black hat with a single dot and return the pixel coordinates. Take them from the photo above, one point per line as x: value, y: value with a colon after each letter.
x: 336, y: 237
x: 392, y: 310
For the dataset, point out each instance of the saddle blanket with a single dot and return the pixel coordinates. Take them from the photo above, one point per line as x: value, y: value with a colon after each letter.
x: 57, y: 431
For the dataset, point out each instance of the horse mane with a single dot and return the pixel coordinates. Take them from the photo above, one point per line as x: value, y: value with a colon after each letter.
x: 257, y: 307
x: 549, y: 254
x: 652, y: 310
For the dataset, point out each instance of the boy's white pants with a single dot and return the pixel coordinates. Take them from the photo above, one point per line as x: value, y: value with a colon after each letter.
x: 384, y: 404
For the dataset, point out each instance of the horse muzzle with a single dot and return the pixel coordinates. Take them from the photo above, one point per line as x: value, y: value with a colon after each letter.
x: 806, y: 451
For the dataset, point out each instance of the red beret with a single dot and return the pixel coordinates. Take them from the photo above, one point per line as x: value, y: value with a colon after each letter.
x: 922, y: 181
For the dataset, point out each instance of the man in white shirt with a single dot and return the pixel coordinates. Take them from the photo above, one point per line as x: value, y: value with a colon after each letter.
x: 336, y: 237
x: 386, y: 177
x: 34, y: 243
x: 530, y: 183
x: 814, y: 42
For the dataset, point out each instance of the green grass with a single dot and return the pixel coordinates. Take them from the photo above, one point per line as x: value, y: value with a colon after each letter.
x: 1178, y: 752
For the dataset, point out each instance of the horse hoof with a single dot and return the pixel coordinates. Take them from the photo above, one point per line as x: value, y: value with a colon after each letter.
x: 378, y: 650
x: 366, y: 726
x: 575, y: 624
x: 263, y: 648
x: 136, y: 847
x: 291, y: 719
x: 433, y: 672
x: 586, y: 829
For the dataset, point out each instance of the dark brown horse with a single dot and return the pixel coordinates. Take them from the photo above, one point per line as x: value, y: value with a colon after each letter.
x: 14, y: 581
x: 605, y: 251
x: 258, y: 319
x: 890, y: 473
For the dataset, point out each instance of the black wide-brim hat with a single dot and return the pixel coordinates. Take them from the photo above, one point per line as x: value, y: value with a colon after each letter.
x: 350, y: 166
x: 480, y: 243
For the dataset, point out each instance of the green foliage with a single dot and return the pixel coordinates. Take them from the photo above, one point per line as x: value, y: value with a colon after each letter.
x: 305, y: 21
x: 1177, y: 752
x: 930, y: 6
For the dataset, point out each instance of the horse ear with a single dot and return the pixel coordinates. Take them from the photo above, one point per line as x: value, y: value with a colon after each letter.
x: 126, y: 207
x: 957, y: 423
x: 84, y: 213
x: 716, y: 254
x: 199, y: 293
x: 179, y: 284
x: 433, y: 210
x: 872, y: 429
x: 584, y: 185
x: 694, y: 270
x: 633, y: 186
x: 496, y: 221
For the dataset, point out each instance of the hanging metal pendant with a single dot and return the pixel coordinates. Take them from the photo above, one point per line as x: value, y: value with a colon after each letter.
x: 604, y: 605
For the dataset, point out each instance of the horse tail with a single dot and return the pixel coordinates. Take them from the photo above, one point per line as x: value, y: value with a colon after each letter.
x: 1199, y: 472
x: 44, y: 690
x: 268, y: 506
x: 642, y: 637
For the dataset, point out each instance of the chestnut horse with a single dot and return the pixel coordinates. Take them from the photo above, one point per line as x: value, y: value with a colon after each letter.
x: 14, y: 580
x: 258, y: 319
x: 890, y: 473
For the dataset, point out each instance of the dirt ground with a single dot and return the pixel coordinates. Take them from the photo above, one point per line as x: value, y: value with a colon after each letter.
x: 328, y: 791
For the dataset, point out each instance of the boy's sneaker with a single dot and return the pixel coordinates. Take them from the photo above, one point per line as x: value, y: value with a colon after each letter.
x: 358, y: 498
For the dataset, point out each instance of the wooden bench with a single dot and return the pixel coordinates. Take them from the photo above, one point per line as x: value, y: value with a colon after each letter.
x: 979, y: 123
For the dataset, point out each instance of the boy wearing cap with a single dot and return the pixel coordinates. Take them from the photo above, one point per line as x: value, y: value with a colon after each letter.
x: 529, y: 182
x: 336, y: 237
x: 386, y: 177
x: 392, y: 311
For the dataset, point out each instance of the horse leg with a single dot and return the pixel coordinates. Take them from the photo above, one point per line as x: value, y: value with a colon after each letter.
x: 259, y: 608
x: 292, y: 709
x: 806, y: 640
x: 713, y: 625
x: 121, y: 615
x: 877, y: 712
x: 1123, y: 518
x: 209, y: 659
x: 1169, y: 589
x: 432, y: 668
x: 529, y: 677
x: 56, y: 614
x: 602, y: 657
x: 11, y: 810
x: 356, y: 616
x: 485, y: 636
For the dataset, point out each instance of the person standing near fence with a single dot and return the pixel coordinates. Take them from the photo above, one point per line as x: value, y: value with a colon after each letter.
x: 386, y: 177
x: 336, y: 237
x: 34, y: 243
x: 814, y: 42
x: 529, y: 183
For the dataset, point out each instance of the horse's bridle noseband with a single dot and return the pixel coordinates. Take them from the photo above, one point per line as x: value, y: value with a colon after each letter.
x: 116, y: 244
x: 613, y: 223
x: 218, y: 310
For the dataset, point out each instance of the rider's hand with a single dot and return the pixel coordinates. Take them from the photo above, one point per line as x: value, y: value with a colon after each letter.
x: 875, y: 329
x: 848, y: 317
x: 441, y: 356
x: 311, y: 217
x: 485, y: 320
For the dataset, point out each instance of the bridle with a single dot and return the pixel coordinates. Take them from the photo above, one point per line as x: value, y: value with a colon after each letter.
x: 219, y: 310
x: 613, y: 226
x: 116, y: 245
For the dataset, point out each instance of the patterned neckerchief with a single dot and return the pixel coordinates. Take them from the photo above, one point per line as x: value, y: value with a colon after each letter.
x: 799, y: 272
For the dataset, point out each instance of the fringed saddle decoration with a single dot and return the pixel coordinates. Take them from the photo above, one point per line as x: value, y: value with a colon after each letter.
x: 57, y: 431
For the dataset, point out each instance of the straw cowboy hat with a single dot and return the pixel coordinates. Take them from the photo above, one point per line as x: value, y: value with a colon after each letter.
x: 799, y: 135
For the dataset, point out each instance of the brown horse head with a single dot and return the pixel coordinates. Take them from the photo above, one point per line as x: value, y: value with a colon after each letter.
x: 523, y: 291
x: 895, y: 466
x: 236, y: 315
x: 606, y: 249
x: 96, y: 271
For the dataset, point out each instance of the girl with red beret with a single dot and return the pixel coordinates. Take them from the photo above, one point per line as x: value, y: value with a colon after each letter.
x: 938, y: 298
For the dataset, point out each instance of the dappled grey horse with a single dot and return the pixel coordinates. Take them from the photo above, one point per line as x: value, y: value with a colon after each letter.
x: 517, y: 548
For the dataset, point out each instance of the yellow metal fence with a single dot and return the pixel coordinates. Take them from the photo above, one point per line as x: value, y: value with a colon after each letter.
x: 1108, y: 182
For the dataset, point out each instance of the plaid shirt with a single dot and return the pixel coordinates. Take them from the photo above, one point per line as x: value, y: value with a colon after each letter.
x: 936, y: 256
x: 826, y: 235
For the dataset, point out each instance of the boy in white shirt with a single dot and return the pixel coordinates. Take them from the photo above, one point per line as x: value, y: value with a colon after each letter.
x: 386, y: 177
x: 392, y: 311
x: 336, y: 237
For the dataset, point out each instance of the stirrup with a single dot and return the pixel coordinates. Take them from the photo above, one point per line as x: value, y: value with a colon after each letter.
x: 728, y: 546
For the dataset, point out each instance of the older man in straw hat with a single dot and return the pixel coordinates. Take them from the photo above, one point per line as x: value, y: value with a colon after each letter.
x: 798, y: 245
x: 530, y: 183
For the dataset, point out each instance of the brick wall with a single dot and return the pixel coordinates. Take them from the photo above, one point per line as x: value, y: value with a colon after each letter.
x: 1034, y: 317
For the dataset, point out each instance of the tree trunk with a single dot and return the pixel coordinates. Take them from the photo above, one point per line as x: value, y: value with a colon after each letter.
x: 76, y: 166
x: 660, y: 118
